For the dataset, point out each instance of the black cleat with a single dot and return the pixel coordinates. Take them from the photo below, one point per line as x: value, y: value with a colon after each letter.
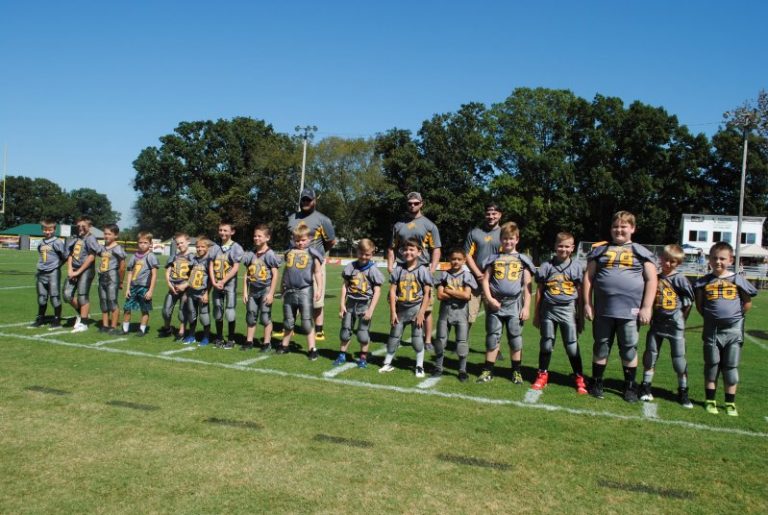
x: 312, y: 354
x: 630, y: 391
x: 463, y: 377
x: 596, y: 389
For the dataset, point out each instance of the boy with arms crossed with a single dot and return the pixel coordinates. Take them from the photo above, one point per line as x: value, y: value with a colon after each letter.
x: 53, y: 253
x: 723, y: 299
x: 359, y: 296
x: 111, y: 275
x: 140, y: 283
x: 558, y: 305
x: 506, y: 278
x: 82, y: 251
x: 674, y: 297
x: 302, y: 270
x: 622, y: 277
x: 177, y: 279
x: 225, y: 262
x: 197, y: 293
x: 259, y: 284
x: 409, y: 300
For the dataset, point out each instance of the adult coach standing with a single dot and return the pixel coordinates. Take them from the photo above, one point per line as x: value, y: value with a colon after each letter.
x: 416, y: 225
x: 482, y: 242
x: 322, y: 237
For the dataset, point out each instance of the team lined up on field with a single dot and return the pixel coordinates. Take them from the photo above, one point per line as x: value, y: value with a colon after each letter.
x: 620, y: 288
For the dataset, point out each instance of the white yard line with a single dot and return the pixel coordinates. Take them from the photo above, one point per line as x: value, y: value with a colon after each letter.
x: 107, y: 342
x: 650, y: 410
x: 429, y: 382
x: 379, y: 352
x: 338, y: 370
x: 398, y: 389
x: 54, y: 333
x: 251, y: 361
x: 17, y: 324
x: 532, y: 396
x: 15, y: 287
x: 756, y: 342
x: 177, y: 351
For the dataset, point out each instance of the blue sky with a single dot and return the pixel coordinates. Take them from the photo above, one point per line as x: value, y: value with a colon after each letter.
x: 86, y: 85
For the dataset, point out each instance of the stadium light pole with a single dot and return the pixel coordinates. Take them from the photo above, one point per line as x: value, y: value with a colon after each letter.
x: 746, y: 125
x: 308, y: 133
x: 5, y: 173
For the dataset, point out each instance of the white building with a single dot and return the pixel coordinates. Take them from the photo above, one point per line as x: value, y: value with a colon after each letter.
x: 703, y: 231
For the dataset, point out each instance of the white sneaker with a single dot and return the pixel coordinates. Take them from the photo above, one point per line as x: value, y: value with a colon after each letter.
x: 79, y: 328
x: 386, y: 368
x: 420, y: 372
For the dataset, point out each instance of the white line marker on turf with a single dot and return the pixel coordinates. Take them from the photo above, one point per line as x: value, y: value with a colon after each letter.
x: 399, y: 389
x: 429, y: 382
x: 756, y: 342
x: 18, y: 324
x: 379, y: 352
x: 177, y: 351
x: 15, y: 287
x: 54, y: 333
x: 650, y: 410
x: 105, y: 342
x: 338, y: 370
x: 251, y: 361
x: 532, y: 396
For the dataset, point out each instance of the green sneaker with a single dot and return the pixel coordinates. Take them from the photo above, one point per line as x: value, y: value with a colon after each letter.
x: 711, y: 407
x: 517, y: 377
x: 730, y: 409
x: 485, y: 376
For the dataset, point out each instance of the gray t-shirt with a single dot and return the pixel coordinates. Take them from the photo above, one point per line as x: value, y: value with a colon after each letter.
x: 320, y: 228
x: 258, y: 268
x: 507, y: 273
x: 722, y: 302
x: 80, y: 248
x: 456, y: 281
x: 420, y: 228
x: 140, y: 267
x: 673, y: 293
x: 224, y: 258
x: 52, y: 253
x: 410, y: 284
x: 482, y: 244
x: 560, y: 281
x: 299, y: 267
x: 361, y: 281
x: 110, y: 259
x: 619, y: 282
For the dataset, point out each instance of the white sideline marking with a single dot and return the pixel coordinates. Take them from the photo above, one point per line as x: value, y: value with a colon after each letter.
x: 379, y: 352
x: 429, y: 382
x: 54, y: 333
x: 532, y: 396
x: 399, y: 389
x: 15, y: 287
x: 17, y: 324
x: 177, y: 351
x: 105, y: 342
x: 338, y: 370
x: 650, y: 410
x: 756, y: 342
x: 251, y: 361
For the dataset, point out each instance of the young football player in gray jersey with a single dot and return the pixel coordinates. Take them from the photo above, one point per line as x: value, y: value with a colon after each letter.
x: 359, y: 296
x: 177, y: 279
x: 225, y: 263
x: 622, y: 277
x: 409, y: 299
x: 111, y: 274
x: 453, y: 291
x: 52, y: 253
x: 322, y: 238
x: 674, y: 298
x: 558, y: 306
x: 259, y: 284
x: 723, y: 299
x: 507, y: 291
x: 197, y: 305
x: 81, y: 252
x: 482, y: 243
x: 302, y: 271
x: 140, y: 283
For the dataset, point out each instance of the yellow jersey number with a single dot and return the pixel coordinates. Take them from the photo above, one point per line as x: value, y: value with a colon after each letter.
x: 562, y: 287
x: 721, y: 289
x: 104, y: 265
x: 507, y: 269
x: 181, y: 270
x: 257, y: 272
x: 666, y: 298
x: 626, y: 258
x: 409, y: 291
x: 358, y: 284
x: 220, y: 268
x: 197, y: 279
x: 292, y: 261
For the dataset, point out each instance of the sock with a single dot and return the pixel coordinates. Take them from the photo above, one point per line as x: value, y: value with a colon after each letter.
x: 57, y: 312
x: 730, y: 397
x: 462, y: 363
x: 207, y: 331
x: 598, y: 370
x: 126, y: 326
x: 544, y: 359
x: 709, y: 393
x: 682, y: 381
x: 77, y: 320
x: 439, y: 361
x: 142, y: 328
x: 420, y: 359
x: 516, y: 365
x: 630, y: 373
x: 489, y: 365
x: 648, y: 376
x: 41, y: 311
x: 219, y: 329
x: 388, y: 358
x: 576, y: 364
x: 319, y: 328
x: 231, y: 330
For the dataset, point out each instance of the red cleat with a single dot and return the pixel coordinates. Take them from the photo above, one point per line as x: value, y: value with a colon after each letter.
x: 581, y: 387
x: 541, y: 380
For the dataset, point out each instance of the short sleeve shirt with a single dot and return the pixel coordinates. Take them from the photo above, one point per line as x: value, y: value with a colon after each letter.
x: 299, y: 266
x: 560, y: 281
x: 457, y: 281
x: 224, y: 258
x: 619, y: 282
x: 141, y: 267
x: 180, y: 264
x: 110, y: 259
x: 198, y: 272
x: 673, y: 293
x: 482, y: 244
x: 80, y: 248
x: 420, y: 228
x: 507, y: 272
x: 361, y: 280
x: 410, y: 284
x: 722, y: 302
x: 258, y: 268
x: 52, y: 253
x: 320, y: 226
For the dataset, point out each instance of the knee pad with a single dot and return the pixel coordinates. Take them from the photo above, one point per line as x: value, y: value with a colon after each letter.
x: 711, y: 371
x: 679, y: 364
x: 516, y: 343
x: 628, y: 353
x: 250, y: 318
x: 83, y: 300
x: 363, y: 336
x: 266, y: 317
x: 306, y: 325
x: 572, y: 349
x: 491, y: 342
x: 547, y: 344
x: 231, y: 314
x: 55, y: 301
x: 601, y: 350
x: 345, y: 334
x: 730, y: 375
x: 42, y: 300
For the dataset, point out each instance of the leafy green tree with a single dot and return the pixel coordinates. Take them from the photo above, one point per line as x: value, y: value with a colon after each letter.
x: 30, y: 200
x: 89, y: 202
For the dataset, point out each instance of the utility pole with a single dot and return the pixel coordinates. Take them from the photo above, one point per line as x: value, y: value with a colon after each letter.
x: 306, y: 133
x: 746, y: 125
x: 5, y: 173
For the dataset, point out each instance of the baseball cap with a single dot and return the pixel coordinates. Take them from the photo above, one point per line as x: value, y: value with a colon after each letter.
x: 308, y: 193
x: 414, y: 195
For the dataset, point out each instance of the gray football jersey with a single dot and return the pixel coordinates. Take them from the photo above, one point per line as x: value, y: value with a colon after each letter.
x: 52, y: 253
x: 79, y: 248
x: 110, y: 259
x: 320, y: 228
x: 224, y: 257
x: 507, y: 274
x: 198, y: 272
x: 673, y: 293
x: 410, y: 284
x: 361, y: 281
x: 456, y: 281
x: 141, y: 267
x: 420, y: 228
x: 722, y: 302
x: 180, y: 264
x: 560, y: 281
x: 482, y: 244
x: 618, y: 281
x: 259, y: 268
x: 299, y: 266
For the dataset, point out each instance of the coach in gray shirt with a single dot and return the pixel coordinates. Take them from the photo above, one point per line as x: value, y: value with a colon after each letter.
x: 482, y: 243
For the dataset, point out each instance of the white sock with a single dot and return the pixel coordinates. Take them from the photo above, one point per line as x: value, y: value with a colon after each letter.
x: 126, y: 326
x: 420, y: 359
x: 388, y: 358
x: 143, y: 328
x: 78, y: 320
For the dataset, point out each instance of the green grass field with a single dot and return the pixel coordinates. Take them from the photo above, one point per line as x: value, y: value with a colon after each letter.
x: 98, y: 423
